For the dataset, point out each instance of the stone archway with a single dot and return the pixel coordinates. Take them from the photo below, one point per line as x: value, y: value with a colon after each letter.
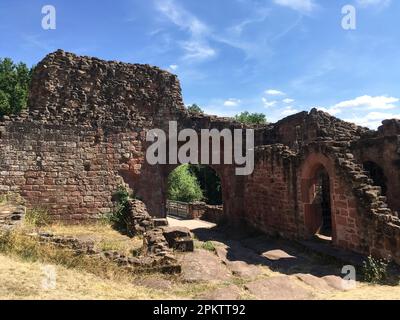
x: 317, y: 185
x: 168, y: 169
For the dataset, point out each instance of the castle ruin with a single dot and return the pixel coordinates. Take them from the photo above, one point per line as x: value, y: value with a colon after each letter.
x: 83, y: 135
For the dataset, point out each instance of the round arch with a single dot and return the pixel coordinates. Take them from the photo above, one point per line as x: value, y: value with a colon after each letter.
x: 168, y: 169
x: 317, y: 201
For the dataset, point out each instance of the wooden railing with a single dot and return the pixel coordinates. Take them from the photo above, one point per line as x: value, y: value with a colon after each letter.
x: 179, y: 209
x: 195, y: 210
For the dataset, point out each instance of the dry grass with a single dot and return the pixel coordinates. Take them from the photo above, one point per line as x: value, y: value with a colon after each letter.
x: 368, y: 292
x: 103, y: 235
x: 23, y: 280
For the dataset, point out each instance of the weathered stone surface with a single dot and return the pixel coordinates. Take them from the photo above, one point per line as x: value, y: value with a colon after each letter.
x: 202, y: 265
x: 244, y: 270
x: 276, y: 255
x: 179, y: 238
x: 11, y: 215
x: 278, y: 288
x: 139, y: 220
x: 336, y: 283
x: 231, y: 292
x: 316, y: 283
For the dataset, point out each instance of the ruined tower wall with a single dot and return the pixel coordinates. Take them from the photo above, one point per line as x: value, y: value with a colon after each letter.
x: 84, y: 134
x: 383, y: 149
x: 70, y: 171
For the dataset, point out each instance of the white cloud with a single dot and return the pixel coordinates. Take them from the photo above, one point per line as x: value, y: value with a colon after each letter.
x: 197, y: 50
x: 304, y: 6
x: 288, y: 111
x: 268, y: 104
x: 273, y: 92
x: 173, y: 67
x: 197, y: 46
x: 364, y: 103
x: 232, y: 102
x: 373, y: 119
x: 367, y: 3
x: 288, y: 100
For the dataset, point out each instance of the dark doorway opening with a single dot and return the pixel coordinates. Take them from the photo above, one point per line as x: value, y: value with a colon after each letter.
x: 322, y: 202
x: 377, y: 175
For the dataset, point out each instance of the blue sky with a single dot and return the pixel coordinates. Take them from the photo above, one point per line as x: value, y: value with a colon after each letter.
x: 272, y: 56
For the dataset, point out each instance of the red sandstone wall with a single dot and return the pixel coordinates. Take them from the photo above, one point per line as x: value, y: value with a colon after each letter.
x: 70, y: 171
x: 270, y: 195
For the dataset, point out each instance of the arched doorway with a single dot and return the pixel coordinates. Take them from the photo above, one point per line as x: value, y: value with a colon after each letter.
x: 377, y: 175
x: 322, y: 202
x: 317, y: 200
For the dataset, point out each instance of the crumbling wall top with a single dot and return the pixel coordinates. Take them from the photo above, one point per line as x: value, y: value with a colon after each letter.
x: 83, y: 90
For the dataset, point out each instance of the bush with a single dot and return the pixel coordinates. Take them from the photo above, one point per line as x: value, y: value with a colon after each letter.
x: 119, y: 217
x: 374, y: 270
x: 37, y: 217
x: 184, y: 186
x: 209, y: 246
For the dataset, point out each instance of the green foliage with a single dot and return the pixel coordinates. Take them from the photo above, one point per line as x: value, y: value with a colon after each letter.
x: 210, y: 183
x: 195, y: 109
x: 374, y: 270
x: 183, y: 185
x: 119, y: 217
x: 14, y: 85
x: 37, y: 217
x: 251, y: 118
x: 209, y: 246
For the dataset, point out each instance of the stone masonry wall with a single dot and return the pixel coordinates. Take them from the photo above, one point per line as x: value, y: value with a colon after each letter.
x: 84, y: 135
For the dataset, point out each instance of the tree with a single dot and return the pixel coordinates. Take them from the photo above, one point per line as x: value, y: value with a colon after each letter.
x: 209, y: 182
x: 251, y: 118
x: 183, y: 185
x: 14, y: 86
x: 195, y: 109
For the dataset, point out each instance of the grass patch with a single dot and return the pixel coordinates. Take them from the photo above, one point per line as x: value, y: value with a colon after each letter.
x: 375, y: 270
x: 11, y: 197
x: 24, y: 280
x: 37, y: 217
x: 18, y: 244
x: 209, y: 246
x: 104, y: 236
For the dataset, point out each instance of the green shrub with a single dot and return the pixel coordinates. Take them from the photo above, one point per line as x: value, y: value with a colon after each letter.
x: 374, y: 270
x: 183, y: 185
x: 37, y: 217
x: 209, y: 246
x: 118, y: 218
